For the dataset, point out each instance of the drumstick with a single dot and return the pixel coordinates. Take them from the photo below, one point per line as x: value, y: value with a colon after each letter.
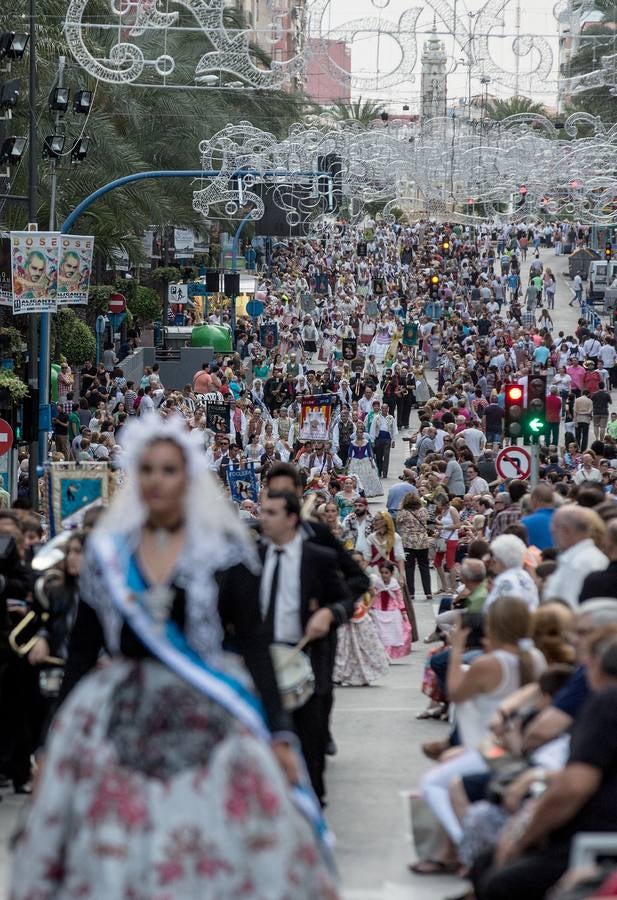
x: 299, y: 646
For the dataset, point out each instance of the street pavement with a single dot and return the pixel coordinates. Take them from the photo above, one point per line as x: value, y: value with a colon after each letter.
x: 379, y: 758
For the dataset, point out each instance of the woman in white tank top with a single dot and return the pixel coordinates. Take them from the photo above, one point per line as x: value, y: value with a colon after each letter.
x: 478, y: 690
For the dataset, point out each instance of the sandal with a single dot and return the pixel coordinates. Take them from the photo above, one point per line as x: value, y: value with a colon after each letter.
x: 432, y: 867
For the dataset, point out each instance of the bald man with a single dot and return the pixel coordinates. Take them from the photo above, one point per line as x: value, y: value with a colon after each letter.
x: 571, y: 528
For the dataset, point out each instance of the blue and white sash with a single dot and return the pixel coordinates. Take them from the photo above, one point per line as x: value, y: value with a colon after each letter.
x: 172, y: 649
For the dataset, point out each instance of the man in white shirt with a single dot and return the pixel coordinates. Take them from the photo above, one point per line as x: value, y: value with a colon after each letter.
x: 571, y: 529
x: 474, y: 439
x: 147, y: 403
x: 303, y: 596
x: 383, y: 433
x: 477, y: 485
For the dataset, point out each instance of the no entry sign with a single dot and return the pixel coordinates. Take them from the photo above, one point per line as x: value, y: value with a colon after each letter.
x: 513, y: 462
x: 6, y: 437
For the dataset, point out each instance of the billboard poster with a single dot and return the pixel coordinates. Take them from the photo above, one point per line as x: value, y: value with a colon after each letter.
x: 217, y: 417
x: 75, y: 268
x: 34, y: 271
x: 350, y: 348
x: 269, y: 335
x: 184, y: 243
x: 243, y: 483
x: 315, y: 417
x: 6, y: 289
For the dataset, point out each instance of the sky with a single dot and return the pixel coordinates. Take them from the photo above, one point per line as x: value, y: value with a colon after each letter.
x: 371, y: 54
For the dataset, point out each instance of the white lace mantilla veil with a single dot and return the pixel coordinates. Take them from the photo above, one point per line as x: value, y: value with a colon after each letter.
x: 216, y: 538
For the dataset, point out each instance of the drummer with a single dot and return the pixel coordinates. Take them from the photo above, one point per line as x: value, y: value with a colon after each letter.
x: 303, y: 596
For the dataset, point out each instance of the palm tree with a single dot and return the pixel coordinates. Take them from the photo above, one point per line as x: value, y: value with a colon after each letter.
x: 513, y: 106
x: 363, y: 111
x: 134, y: 129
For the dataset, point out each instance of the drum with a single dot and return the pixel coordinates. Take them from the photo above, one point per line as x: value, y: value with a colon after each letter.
x: 294, y: 675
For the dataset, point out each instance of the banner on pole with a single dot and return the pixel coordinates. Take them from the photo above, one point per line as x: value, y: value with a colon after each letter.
x: 243, y: 483
x: 269, y: 335
x: 34, y: 271
x: 6, y: 289
x: 218, y: 417
x: 75, y: 269
x: 350, y: 348
x: 315, y: 417
x: 184, y: 243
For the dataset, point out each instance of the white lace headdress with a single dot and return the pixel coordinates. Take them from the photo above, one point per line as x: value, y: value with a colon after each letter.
x: 216, y: 538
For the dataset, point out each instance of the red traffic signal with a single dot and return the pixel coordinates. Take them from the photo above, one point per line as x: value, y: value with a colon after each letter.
x: 514, y: 406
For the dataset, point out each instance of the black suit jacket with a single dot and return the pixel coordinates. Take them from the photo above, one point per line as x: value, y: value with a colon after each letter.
x: 322, y: 585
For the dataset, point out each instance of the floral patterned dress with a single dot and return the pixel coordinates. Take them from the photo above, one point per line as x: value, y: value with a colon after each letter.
x: 152, y: 791
x: 360, y: 656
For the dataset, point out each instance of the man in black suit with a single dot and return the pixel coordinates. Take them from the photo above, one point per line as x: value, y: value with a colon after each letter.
x: 303, y: 595
x: 287, y: 477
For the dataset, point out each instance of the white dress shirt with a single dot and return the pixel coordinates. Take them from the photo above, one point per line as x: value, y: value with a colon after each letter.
x: 383, y: 423
x: 287, y: 624
x: 573, y: 566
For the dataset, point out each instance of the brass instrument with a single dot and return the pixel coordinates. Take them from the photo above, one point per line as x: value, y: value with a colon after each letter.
x: 23, y: 636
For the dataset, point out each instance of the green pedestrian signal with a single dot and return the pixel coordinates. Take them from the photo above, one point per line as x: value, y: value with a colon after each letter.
x: 534, y: 420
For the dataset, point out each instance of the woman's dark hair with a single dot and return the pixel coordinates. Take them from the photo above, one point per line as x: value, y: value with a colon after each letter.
x: 387, y: 565
x: 478, y: 549
x: 554, y: 678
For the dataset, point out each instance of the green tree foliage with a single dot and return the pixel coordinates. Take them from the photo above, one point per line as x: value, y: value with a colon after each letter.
x: 71, y: 338
x: 145, y: 304
x: 363, y: 111
x: 513, y: 106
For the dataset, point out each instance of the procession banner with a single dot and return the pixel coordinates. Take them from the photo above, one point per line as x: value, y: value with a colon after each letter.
x: 321, y: 284
x: 6, y: 289
x: 184, y: 243
x: 72, y: 489
x: 243, y: 483
x: 410, y: 334
x: 148, y: 246
x: 315, y: 417
x: 75, y: 269
x: 34, y: 271
x: 217, y: 417
x: 350, y: 348
x: 269, y: 335
x: 378, y: 286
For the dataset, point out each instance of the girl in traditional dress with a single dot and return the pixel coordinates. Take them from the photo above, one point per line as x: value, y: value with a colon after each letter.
x: 361, y: 658
x: 381, y: 342
x: 346, y: 498
x: 362, y: 465
x: 389, y: 613
x: 161, y: 774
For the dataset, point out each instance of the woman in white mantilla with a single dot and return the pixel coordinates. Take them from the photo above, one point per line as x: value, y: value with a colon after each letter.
x: 162, y: 775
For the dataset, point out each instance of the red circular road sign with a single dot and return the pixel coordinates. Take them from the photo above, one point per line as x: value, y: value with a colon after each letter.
x: 513, y: 462
x: 117, y: 303
x: 6, y: 437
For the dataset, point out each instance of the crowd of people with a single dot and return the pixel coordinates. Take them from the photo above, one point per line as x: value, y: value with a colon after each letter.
x: 239, y: 527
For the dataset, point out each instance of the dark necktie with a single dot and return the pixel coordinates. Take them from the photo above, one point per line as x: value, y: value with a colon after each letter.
x: 271, y: 611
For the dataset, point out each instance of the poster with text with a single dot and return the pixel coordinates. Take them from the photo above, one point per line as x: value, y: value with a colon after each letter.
x: 75, y: 268
x: 217, y: 417
x: 34, y: 271
x: 315, y: 417
x: 243, y: 483
x: 6, y: 289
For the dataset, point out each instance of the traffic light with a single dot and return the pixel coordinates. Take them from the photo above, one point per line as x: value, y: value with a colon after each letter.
x: 434, y: 282
x: 608, y: 252
x: 513, y: 419
x: 534, y: 422
x: 445, y: 246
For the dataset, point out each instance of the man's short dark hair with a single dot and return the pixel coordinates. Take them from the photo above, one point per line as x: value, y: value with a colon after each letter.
x: 291, y: 501
x: 517, y: 489
x: 285, y: 470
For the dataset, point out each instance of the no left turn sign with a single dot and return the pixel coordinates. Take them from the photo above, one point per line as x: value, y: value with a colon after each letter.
x: 513, y: 462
